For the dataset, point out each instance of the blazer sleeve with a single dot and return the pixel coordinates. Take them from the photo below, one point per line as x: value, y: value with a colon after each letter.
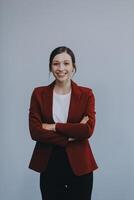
x: 35, y: 125
x: 78, y: 130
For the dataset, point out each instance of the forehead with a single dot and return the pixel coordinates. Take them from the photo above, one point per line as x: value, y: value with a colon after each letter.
x: 62, y: 56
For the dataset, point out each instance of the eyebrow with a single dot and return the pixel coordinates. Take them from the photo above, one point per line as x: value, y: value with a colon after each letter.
x: 59, y: 61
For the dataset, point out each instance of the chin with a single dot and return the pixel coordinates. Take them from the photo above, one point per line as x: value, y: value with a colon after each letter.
x: 62, y: 80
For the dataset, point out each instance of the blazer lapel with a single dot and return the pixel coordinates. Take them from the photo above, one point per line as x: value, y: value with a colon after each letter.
x: 74, y: 103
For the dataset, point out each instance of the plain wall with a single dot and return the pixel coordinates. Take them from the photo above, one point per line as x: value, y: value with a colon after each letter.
x: 101, y: 35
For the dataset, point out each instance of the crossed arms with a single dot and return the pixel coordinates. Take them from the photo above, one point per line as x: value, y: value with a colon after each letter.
x: 52, y: 127
x: 60, y: 133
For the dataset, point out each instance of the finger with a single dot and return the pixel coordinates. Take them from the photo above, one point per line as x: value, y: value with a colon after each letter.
x: 71, y: 139
x: 85, y: 119
x: 44, y: 126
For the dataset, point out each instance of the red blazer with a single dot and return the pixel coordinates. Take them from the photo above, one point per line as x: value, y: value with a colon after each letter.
x: 78, y: 151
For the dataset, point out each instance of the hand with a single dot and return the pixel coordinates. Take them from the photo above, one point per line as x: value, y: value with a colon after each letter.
x: 50, y: 127
x: 84, y: 120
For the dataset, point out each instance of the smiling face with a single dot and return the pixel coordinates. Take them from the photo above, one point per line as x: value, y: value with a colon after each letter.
x: 62, y: 67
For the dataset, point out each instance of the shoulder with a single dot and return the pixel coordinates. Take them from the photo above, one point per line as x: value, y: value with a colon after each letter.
x: 85, y: 90
x: 44, y: 88
x: 37, y: 91
x: 40, y: 88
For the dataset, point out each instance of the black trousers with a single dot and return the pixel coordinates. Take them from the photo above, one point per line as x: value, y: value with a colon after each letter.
x: 58, y: 182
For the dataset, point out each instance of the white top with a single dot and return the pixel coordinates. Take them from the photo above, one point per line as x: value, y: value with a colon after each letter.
x: 61, y: 104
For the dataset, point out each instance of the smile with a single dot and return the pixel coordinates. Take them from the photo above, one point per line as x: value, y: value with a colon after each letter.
x: 61, y: 74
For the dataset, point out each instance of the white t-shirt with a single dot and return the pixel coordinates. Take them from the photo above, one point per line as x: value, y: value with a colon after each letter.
x: 61, y: 104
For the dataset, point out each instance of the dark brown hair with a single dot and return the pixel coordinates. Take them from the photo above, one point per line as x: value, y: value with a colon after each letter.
x: 59, y: 50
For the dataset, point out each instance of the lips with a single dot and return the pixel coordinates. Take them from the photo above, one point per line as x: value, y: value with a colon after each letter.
x: 61, y: 74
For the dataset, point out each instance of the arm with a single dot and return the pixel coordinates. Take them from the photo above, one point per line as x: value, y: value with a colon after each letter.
x: 80, y: 130
x: 51, y: 127
x: 35, y: 126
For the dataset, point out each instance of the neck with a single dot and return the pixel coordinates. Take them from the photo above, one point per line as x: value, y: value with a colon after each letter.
x: 62, y: 87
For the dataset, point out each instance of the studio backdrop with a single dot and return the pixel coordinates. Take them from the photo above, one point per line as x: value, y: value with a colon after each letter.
x: 101, y: 35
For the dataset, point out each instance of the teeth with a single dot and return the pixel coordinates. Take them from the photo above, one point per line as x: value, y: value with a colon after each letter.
x: 61, y: 74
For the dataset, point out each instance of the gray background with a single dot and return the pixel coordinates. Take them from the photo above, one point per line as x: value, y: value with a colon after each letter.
x: 100, y: 32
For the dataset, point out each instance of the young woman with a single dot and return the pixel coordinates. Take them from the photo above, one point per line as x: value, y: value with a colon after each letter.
x: 61, y: 120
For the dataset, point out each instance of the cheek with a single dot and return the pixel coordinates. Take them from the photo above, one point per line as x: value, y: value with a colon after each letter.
x: 53, y: 68
x: 71, y: 69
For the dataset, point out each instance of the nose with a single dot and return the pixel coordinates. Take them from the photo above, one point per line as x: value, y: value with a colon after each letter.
x: 61, y: 66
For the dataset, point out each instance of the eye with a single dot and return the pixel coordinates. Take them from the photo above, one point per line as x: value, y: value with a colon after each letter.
x: 66, y: 63
x: 55, y: 64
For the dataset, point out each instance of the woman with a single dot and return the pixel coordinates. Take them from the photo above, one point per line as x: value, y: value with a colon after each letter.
x: 61, y: 120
